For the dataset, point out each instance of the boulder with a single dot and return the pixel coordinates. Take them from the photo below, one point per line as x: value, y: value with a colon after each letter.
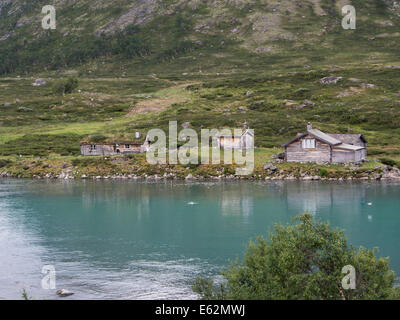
x: 309, y: 103
x: 305, y: 104
x: 39, y: 82
x: 330, y: 80
x: 189, y: 177
x: 24, y: 109
x: 270, y: 167
x: 393, y: 67
x: 368, y: 85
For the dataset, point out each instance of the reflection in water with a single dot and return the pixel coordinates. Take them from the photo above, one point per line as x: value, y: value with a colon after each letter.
x: 132, y: 240
x: 236, y: 200
x: 311, y: 197
x: 18, y: 245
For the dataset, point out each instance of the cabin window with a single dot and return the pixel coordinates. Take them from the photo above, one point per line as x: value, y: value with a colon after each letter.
x: 308, y: 143
x: 92, y: 147
x: 127, y: 146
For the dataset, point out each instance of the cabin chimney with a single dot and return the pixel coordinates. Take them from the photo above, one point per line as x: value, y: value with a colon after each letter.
x: 309, y: 126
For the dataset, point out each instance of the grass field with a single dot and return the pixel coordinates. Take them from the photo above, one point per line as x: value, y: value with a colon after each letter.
x: 214, y: 66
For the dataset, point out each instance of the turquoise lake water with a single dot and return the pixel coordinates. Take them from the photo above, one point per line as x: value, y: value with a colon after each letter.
x: 136, y: 240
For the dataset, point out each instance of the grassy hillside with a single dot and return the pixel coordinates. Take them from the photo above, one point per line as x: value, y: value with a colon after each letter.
x: 213, y: 63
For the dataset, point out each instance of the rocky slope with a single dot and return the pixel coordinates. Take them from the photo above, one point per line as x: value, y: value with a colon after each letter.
x: 263, y: 27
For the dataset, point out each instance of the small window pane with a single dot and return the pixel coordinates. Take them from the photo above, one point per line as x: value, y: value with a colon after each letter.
x: 308, y: 144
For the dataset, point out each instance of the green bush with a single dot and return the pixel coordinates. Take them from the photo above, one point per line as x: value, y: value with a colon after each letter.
x: 4, y: 162
x: 303, y: 261
x: 374, y: 152
x: 301, y: 93
x: 323, y: 173
x: 388, y: 162
x: 65, y: 86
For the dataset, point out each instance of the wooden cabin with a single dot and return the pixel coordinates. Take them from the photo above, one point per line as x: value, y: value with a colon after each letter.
x: 319, y: 147
x: 240, y: 142
x: 112, y: 148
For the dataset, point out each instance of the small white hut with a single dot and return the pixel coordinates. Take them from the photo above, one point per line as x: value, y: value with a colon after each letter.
x: 239, y: 142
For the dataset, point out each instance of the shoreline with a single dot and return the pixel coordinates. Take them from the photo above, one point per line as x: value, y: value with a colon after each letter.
x: 390, y: 175
x: 136, y: 168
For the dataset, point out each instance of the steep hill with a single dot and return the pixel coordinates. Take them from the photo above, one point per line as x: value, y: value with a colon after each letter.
x: 157, y: 31
x: 214, y: 63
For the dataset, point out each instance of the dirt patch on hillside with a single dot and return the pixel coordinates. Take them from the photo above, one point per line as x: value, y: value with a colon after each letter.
x: 352, y: 91
x: 153, y: 105
x: 341, y: 3
x: 169, y: 97
x: 317, y: 8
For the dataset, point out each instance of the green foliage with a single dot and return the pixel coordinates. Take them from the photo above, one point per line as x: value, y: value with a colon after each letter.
x: 162, y: 38
x: 65, y: 86
x: 98, y: 138
x: 42, y: 145
x: 207, y: 290
x: 388, y: 162
x: 375, y: 151
x: 24, y: 295
x: 4, y: 162
x: 301, y: 93
x: 303, y: 261
x: 323, y: 173
x: 91, y: 161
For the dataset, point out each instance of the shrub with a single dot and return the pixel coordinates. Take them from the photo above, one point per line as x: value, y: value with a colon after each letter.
x: 303, y: 261
x: 4, y: 162
x: 65, y: 86
x: 257, y: 105
x: 301, y: 93
x: 374, y: 152
x: 388, y: 162
x: 323, y: 173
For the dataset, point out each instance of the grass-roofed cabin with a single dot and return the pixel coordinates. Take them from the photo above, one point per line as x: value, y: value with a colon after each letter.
x: 319, y: 147
x: 111, y: 148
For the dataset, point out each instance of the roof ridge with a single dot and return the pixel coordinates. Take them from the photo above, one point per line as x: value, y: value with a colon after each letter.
x: 324, y: 137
